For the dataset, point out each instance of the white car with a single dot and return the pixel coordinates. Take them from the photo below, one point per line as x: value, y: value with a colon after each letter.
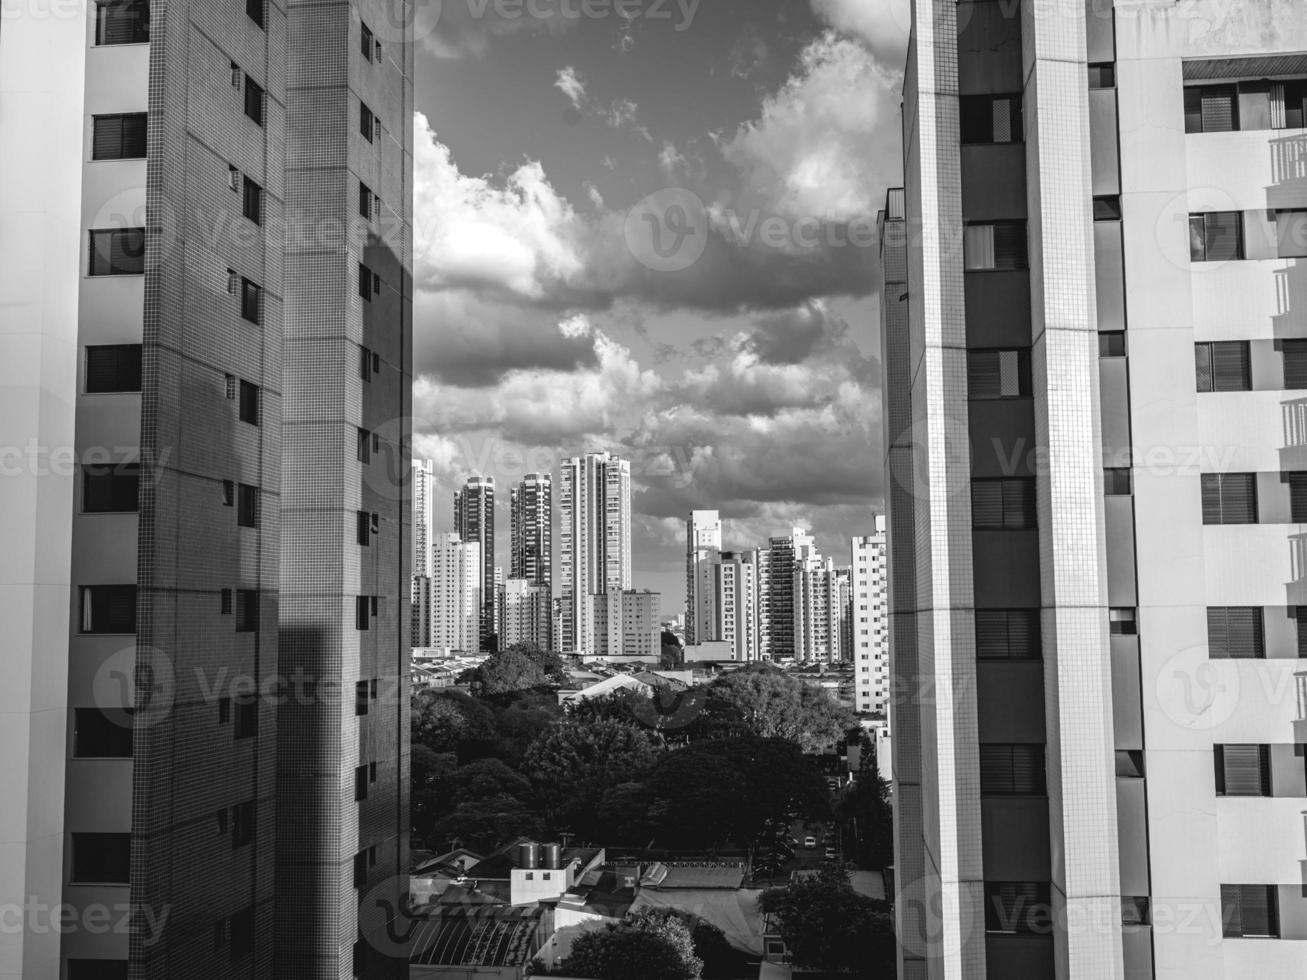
x: 810, y: 841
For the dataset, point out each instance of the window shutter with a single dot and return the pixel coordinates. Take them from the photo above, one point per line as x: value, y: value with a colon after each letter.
x: 996, y: 769
x: 1223, y: 235
x: 1010, y: 245
x: 1291, y: 233
x: 1235, y: 632
x: 1218, y: 108
x: 107, y: 139
x: 1239, y: 498
x: 1019, y: 503
x: 978, y: 247
x: 983, y: 380
x: 1193, y: 109
x: 1211, y: 484
x: 1297, y: 496
x: 1246, y: 770
x: 987, y: 503
x: 1231, y: 911
x: 1254, y: 105
x: 1002, y: 120
x: 1257, y: 910
x: 1231, y: 366
x: 1295, y: 364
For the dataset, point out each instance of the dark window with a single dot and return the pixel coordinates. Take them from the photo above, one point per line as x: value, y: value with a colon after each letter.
x: 254, y: 10
x: 1006, y: 504
x: 118, y: 252
x: 122, y: 21
x: 1018, y: 906
x: 101, y: 859
x: 249, y: 403
x: 1107, y: 208
x: 254, y: 100
x: 361, y: 698
x: 113, y: 368
x: 995, y: 374
x: 1129, y: 764
x: 251, y: 300
x: 1229, y: 498
x: 1223, y: 366
x: 365, y: 364
x: 119, y: 137
x: 1211, y: 108
x: 1111, y: 343
x: 224, y: 602
x: 108, y: 609
x: 365, y: 42
x: 364, y: 528
x: 97, y: 970
x: 1235, y: 632
x: 1122, y: 621
x: 242, y: 824
x: 1295, y: 104
x: 111, y: 489
x: 1291, y: 233
x: 1295, y: 364
x: 252, y: 201
x: 362, y: 612
x: 361, y: 783
x: 372, y: 772
x: 367, y: 122
x: 1116, y: 481
x: 247, y: 505
x: 1102, y: 75
x: 1007, y: 770
x: 997, y: 245
x: 1135, y: 910
x: 229, y: 493
x: 247, y: 610
x: 247, y: 718
x: 98, y: 736
x: 365, y: 200
x: 365, y: 446
x: 1297, y: 482
x: 241, y: 933
x: 1008, y: 634
x: 360, y: 869
x: 365, y: 281
x: 1216, y: 236
x: 1250, y: 910
x: 990, y: 119
x: 1242, y: 770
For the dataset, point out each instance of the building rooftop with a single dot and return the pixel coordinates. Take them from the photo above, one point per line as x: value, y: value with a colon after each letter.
x: 693, y: 875
x: 477, y: 936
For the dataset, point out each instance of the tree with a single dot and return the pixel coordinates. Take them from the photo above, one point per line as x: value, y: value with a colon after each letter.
x: 574, y: 763
x: 763, y: 700
x: 657, y: 940
x: 830, y: 927
x: 452, y: 721
x: 488, y: 804
x: 672, y: 654
x: 428, y: 801
x: 521, y: 667
x: 867, y: 803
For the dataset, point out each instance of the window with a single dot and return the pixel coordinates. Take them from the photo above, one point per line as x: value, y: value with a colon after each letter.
x: 119, y: 137
x: 1236, y: 633
x: 372, y: 770
x: 122, y: 21
x: 365, y: 446
x: 111, y: 489
x: 365, y: 201
x: 229, y: 493
x: 247, y: 505
x: 251, y: 300
x: 1007, y: 504
x: 1216, y: 236
x: 1122, y: 621
x: 1250, y: 910
x: 247, y: 610
x: 990, y: 119
x: 1242, y: 770
x: 1223, y: 366
x: 1018, y: 907
x: 360, y: 869
x: 1007, y: 634
x: 242, y: 824
x: 113, y: 368
x: 362, y: 612
x: 1129, y: 764
x: 252, y: 201
x: 1135, y: 910
x: 117, y: 252
x: 254, y: 100
x: 1111, y: 343
x: 993, y: 374
x: 365, y: 364
x: 1102, y: 75
x: 224, y: 710
x: 365, y: 281
x: 229, y: 382
x: 1107, y: 208
x: 97, y: 970
x: 1116, y: 481
x: 1211, y: 108
x: 361, y: 698
x: 108, y: 609
x: 1229, y: 498
x: 101, y: 859
x: 1295, y: 364
x: 1000, y: 245
x: 1007, y: 770
x: 1255, y: 104
x: 224, y: 602
x: 247, y: 718
x: 367, y: 122
x: 364, y: 528
x: 249, y: 403
x: 254, y: 10
x: 241, y: 933
x: 1291, y: 233
x: 360, y: 783
x: 97, y: 736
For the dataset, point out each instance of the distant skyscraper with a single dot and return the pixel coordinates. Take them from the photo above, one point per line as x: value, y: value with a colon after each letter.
x: 474, y: 520
x: 735, y: 584
x: 776, y: 586
x: 703, y: 545
x: 816, y: 609
x: 424, y: 496
x: 527, y: 615
x: 532, y: 533
x: 594, y: 539
x: 869, y: 618
x: 455, y: 594
x: 625, y: 623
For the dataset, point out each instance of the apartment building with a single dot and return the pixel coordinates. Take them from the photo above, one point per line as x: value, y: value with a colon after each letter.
x: 201, y: 369
x: 594, y: 541
x: 424, y: 517
x: 625, y: 623
x: 532, y: 530
x: 474, y: 520
x: 703, y: 545
x: 527, y: 614
x: 453, y: 595
x: 868, y: 619
x: 735, y: 583
x: 1094, y: 336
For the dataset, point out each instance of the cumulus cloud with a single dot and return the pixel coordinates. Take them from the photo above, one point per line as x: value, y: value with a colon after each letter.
x: 884, y: 25
x: 455, y: 29
x: 569, y: 82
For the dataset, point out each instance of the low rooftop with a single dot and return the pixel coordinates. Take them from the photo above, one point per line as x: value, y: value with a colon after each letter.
x: 479, y: 936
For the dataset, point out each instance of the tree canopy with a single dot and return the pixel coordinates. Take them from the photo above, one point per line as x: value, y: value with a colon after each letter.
x: 830, y: 927
x: 521, y: 667
x: 659, y: 941
x: 765, y: 701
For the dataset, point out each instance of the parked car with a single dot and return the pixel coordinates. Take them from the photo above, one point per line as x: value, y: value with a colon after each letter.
x: 830, y: 854
x: 810, y: 841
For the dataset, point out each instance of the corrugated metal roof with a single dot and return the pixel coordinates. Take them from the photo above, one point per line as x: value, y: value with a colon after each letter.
x: 476, y: 937
x: 1268, y: 66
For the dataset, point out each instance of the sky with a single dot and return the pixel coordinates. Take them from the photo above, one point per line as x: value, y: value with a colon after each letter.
x: 648, y: 227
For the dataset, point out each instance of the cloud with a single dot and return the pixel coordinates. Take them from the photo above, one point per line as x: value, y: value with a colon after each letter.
x: 884, y: 25
x: 569, y: 82
x: 455, y: 29
x: 748, y: 53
